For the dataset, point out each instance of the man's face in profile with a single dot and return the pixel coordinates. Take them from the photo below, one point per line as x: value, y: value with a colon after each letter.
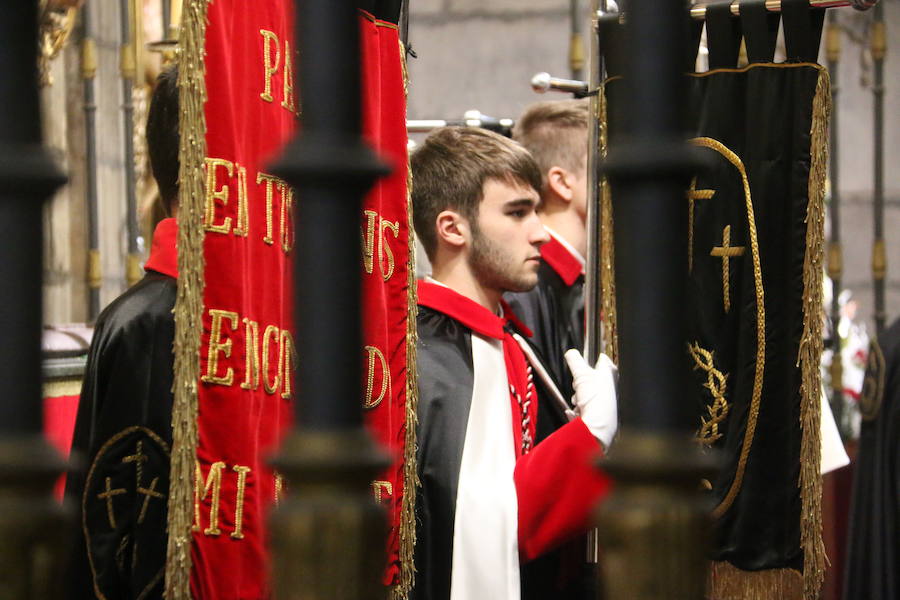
x: 506, y: 237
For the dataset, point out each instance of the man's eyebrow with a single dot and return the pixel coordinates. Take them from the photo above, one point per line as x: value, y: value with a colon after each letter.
x: 521, y: 203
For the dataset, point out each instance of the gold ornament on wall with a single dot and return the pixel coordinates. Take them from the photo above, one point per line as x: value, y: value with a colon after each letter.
x: 57, y: 19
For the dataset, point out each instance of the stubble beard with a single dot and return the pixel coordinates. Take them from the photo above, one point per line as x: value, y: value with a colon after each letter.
x: 494, y: 269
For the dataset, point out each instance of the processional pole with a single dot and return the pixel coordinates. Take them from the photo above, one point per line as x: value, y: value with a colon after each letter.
x: 879, y: 256
x: 654, y: 526
x: 31, y: 521
x: 576, y: 41
x: 835, y: 268
x: 128, y: 68
x: 88, y: 73
x: 328, y: 534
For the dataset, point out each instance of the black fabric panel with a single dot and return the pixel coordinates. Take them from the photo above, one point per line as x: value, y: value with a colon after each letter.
x: 611, y: 45
x: 873, y: 557
x: 445, y: 396
x: 760, y: 30
x: 802, y: 30
x: 386, y: 10
x: 745, y: 111
x: 723, y: 36
x: 125, y: 410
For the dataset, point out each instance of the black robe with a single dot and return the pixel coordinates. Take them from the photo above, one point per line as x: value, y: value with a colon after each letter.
x: 554, y: 311
x: 446, y: 381
x: 122, y: 441
x: 873, y: 561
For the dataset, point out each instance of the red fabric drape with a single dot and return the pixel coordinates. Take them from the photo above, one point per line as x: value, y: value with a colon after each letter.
x: 384, y: 226
x: 244, y: 395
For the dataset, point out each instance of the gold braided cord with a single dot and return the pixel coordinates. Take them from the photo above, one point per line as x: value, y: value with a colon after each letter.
x: 717, y: 384
x: 750, y: 429
x: 727, y: 582
x: 607, y: 246
x: 810, y: 350
x: 410, y: 474
x: 189, y: 301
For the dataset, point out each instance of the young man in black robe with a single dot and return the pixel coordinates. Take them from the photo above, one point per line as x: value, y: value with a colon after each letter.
x: 123, y: 432
x: 555, y: 133
x: 491, y: 497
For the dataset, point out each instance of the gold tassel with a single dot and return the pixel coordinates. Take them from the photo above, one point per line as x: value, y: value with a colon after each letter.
x: 189, y: 301
x: 727, y: 582
x: 811, y: 348
x: 410, y: 475
x: 607, y: 247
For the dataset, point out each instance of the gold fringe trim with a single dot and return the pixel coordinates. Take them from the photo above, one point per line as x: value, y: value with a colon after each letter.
x: 189, y: 302
x: 410, y: 475
x: 810, y: 351
x: 727, y: 582
x: 607, y: 247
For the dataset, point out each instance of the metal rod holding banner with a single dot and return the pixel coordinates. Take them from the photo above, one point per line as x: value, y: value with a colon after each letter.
x: 88, y: 73
x: 699, y: 12
x: 879, y: 255
x: 832, y: 55
x: 31, y: 522
x: 328, y: 532
x: 128, y: 70
x: 654, y: 462
x: 592, y: 341
x: 471, y: 118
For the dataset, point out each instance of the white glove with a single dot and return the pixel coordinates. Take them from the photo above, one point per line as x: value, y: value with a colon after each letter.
x: 595, y: 395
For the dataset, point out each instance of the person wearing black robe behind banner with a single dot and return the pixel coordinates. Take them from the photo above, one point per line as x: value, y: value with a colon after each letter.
x: 555, y: 133
x: 491, y: 498
x: 123, y: 431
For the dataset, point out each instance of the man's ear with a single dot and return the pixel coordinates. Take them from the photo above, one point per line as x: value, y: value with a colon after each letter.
x: 560, y: 183
x: 452, y: 228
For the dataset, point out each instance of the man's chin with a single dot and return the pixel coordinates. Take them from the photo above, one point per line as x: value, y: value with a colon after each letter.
x: 526, y: 284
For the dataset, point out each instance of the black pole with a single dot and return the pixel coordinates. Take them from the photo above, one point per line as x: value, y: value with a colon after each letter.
x: 27, y: 177
x: 32, y: 528
x: 88, y: 72
x: 832, y: 54
x: 655, y: 463
x: 128, y: 68
x: 879, y: 255
x: 648, y: 173
x: 331, y: 167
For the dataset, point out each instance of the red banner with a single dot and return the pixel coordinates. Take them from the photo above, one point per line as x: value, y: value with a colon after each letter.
x: 246, y: 349
x: 385, y: 226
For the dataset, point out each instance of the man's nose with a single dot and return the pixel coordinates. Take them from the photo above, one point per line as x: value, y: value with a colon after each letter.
x: 539, y: 235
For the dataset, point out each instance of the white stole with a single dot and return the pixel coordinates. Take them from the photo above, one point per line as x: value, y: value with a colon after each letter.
x: 485, y: 534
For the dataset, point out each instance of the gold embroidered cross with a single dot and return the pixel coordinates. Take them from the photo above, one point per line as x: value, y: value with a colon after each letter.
x: 694, y: 194
x: 138, y: 458
x: 148, y: 493
x: 726, y: 251
x: 108, y: 496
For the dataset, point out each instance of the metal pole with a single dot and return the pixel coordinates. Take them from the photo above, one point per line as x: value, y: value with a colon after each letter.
x: 592, y: 337
x: 31, y: 521
x: 128, y: 68
x: 88, y: 72
x: 576, y: 40
x: 879, y: 256
x: 328, y: 535
x: 832, y: 55
x: 654, y: 527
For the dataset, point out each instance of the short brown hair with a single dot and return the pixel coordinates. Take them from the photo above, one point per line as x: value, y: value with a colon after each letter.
x: 555, y: 132
x: 449, y: 171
